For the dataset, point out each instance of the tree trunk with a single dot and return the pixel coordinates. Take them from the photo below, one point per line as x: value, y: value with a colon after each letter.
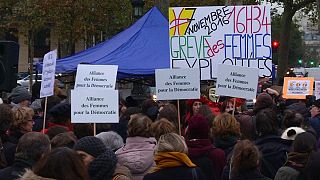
x: 283, y: 59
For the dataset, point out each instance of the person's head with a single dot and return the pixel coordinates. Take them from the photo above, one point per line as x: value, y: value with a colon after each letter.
x: 129, y: 112
x: 82, y: 130
x: 245, y: 157
x: 193, y: 105
x: 20, y: 95
x: 225, y: 125
x: 264, y: 100
x: 32, y: 146
x: 103, y: 166
x: 150, y: 108
x: 23, y: 119
x: 89, y: 148
x: 122, y: 106
x: 171, y: 142
x: 315, y: 108
x: 55, y: 130
x: 227, y: 106
x: 61, y: 163
x: 305, y: 143
x: 51, y: 101
x: 6, y: 118
x: 267, y: 122
x: 170, y: 112
x: 111, y: 140
x: 292, y: 119
x: 67, y: 139
x: 131, y: 102
x: 60, y: 113
x: 162, y: 126
x: 139, y: 125
x: 206, y: 111
x: 198, y: 127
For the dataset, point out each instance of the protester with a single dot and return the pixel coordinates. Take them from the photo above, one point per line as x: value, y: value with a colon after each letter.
x: 295, y: 167
x: 170, y: 112
x: 150, y: 108
x: 82, y: 130
x: 273, y: 149
x: 31, y: 147
x: 137, y: 153
x: 172, y: 161
x: 60, y: 115
x: 122, y: 106
x: 111, y: 140
x: 61, y: 164
x: 208, y: 158
x: 193, y: 107
x: 67, y: 139
x: 6, y: 120
x: 162, y: 126
x: 55, y: 130
x: 20, y: 97
x: 245, y: 162
x: 315, y: 117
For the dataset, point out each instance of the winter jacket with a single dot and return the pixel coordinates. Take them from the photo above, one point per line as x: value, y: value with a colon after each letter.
x: 10, y: 144
x: 121, y: 173
x: 16, y: 170
x: 225, y: 143
x: 30, y: 175
x: 315, y: 124
x: 274, y: 152
x: 176, y: 173
x: 203, y: 147
x: 250, y: 175
x: 137, y: 155
x: 287, y: 173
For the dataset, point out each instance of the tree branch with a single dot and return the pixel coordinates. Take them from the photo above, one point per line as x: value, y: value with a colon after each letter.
x: 301, y: 4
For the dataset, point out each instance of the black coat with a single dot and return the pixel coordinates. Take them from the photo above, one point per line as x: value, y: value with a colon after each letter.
x: 16, y: 170
x: 10, y: 144
x: 250, y: 175
x: 175, y: 173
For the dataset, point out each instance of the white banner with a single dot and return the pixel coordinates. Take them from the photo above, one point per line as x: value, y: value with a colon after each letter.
x: 317, y: 89
x: 96, y: 76
x: 98, y: 106
x: 177, y: 84
x: 235, y: 81
x: 48, y: 74
x: 204, y: 37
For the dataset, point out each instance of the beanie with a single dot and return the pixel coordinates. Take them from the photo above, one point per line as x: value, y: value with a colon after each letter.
x: 91, y: 145
x: 61, y: 110
x: 291, y: 133
x: 198, y: 127
x: 103, y: 166
x: 19, y: 94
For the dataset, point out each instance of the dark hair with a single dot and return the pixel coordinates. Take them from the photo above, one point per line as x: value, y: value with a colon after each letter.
x: 139, y: 125
x: 292, y: 119
x: 55, y: 130
x: 67, y: 139
x: 245, y: 157
x: 6, y: 118
x: 130, y: 111
x: 206, y: 112
x: 82, y: 130
x: 51, y: 101
x: 267, y: 122
x: 225, y: 103
x: 162, y: 126
x: 63, y: 164
x: 170, y: 113
x: 305, y: 143
x: 60, y: 113
x: 32, y: 146
x: 264, y: 100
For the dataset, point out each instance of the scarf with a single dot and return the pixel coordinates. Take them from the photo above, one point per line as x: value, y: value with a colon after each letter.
x: 297, y: 160
x: 171, y: 159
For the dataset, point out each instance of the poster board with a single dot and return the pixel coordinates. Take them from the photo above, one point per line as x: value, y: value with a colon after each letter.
x: 317, y: 89
x: 204, y: 37
x: 174, y: 84
x: 235, y: 81
x: 297, y: 87
x: 48, y: 74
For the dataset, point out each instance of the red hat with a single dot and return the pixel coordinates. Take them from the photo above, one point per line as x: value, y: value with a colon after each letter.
x: 198, y: 127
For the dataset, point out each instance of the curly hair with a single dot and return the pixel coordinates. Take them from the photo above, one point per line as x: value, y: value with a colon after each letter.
x: 6, y: 118
x: 21, y: 116
x: 139, y: 125
x: 224, y: 125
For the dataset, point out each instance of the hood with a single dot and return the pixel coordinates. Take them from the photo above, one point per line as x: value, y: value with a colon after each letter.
x: 272, y: 143
x: 30, y: 175
x: 225, y: 142
x: 137, y: 154
x: 197, y: 147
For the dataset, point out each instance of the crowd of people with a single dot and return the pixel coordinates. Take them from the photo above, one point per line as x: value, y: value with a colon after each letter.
x: 278, y: 139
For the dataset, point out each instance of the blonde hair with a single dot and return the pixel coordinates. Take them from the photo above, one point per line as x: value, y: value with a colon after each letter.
x: 224, y: 125
x: 21, y: 116
x: 139, y: 125
x: 171, y: 142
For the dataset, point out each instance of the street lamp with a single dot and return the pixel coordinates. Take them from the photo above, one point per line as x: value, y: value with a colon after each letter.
x: 137, y: 6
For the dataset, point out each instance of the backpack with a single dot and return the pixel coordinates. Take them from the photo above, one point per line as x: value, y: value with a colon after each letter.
x: 205, y: 164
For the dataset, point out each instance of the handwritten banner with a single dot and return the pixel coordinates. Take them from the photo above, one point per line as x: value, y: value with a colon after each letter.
x: 48, y: 74
x: 204, y: 37
x: 237, y: 81
x: 297, y: 88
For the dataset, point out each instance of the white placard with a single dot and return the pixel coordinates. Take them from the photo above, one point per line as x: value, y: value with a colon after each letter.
x: 48, y: 74
x: 95, y: 106
x: 204, y: 37
x: 236, y: 81
x: 317, y: 89
x: 96, y: 76
x: 177, y: 84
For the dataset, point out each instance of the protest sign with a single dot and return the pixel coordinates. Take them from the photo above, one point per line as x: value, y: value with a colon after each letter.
x: 96, y: 76
x: 236, y: 81
x: 177, y: 84
x: 100, y: 106
x: 204, y: 37
x: 297, y: 87
x: 317, y: 89
x: 48, y: 74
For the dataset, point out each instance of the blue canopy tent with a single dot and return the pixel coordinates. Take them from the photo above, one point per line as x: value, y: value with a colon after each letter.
x: 138, y: 50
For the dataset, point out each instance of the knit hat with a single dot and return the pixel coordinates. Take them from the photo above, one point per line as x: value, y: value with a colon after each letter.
x: 91, y: 145
x: 291, y: 133
x: 198, y: 127
x: 19, y: 94
x: 103, y: 166
x: 36, y: 105
x: 61, y: 110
